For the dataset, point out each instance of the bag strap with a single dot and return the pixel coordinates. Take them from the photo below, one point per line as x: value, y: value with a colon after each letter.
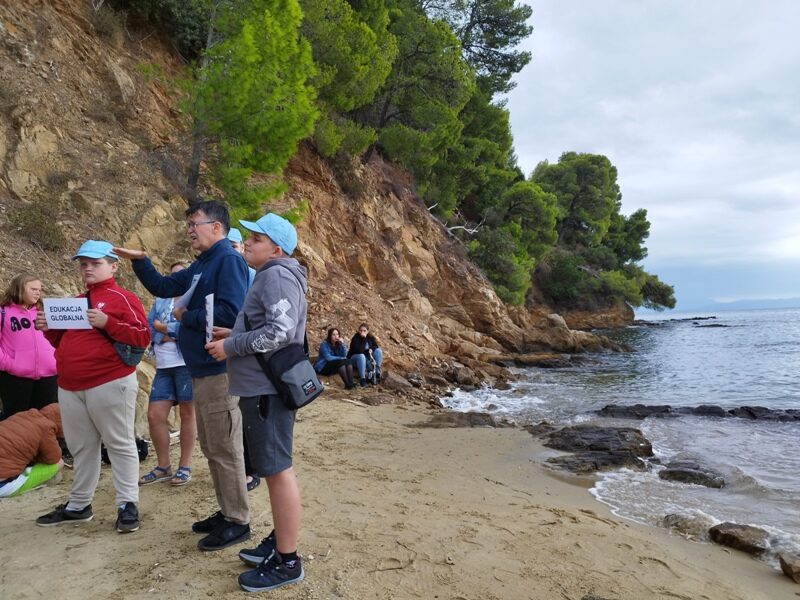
x: 103, y: 331
x: 2, y: 318
x: 262, y: 361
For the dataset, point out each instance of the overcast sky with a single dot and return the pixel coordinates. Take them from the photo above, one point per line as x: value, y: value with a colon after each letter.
x: 697, y: 104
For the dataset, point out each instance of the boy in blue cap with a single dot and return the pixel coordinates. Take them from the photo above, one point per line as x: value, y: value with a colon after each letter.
x: 273, y: 316
x: 97, y: 390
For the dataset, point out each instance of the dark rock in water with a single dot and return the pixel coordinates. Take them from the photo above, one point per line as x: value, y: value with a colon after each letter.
x: 456, y: 419
x: 599, y: 448
x: 790, y: 565
x: 765, y: 414
x: 746, y: 538
x: 592, y: 461
x: 709, y: 410
x: 642, y: 411
x: 711, y: 325
x: 600, y: 439
x: 634, y: 411
x: 690, y: 526
x: 686, y: 471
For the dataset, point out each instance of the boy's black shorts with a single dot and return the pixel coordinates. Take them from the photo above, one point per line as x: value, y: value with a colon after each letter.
x: 269, y: 432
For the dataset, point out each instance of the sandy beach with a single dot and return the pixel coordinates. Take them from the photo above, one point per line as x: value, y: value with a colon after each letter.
x: 391, y: 510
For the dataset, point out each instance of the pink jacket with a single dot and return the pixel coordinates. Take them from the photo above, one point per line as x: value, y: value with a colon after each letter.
x: 24, y: 351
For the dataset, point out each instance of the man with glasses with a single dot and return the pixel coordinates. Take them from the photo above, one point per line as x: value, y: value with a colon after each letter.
x: 221, y: 271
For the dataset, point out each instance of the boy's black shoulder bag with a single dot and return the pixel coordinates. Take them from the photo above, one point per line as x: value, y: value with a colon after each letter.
x: 290, y: 372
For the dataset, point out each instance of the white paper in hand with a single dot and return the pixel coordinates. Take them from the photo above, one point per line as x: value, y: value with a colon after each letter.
x: 209, y: 317
x: 183, y: 301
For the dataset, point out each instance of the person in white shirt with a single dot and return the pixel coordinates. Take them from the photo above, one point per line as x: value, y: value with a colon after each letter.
x: 172, y: 385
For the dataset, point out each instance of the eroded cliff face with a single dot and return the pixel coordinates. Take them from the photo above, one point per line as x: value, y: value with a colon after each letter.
x: 85, y: 135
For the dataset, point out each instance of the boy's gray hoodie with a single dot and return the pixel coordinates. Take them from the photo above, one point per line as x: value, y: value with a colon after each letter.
x: 276, y: 307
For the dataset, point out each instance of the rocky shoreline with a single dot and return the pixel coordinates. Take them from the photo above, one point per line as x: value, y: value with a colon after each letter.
x: 590, y: 449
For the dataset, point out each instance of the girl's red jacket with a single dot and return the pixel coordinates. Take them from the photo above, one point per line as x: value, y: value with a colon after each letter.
x: 85, y: 358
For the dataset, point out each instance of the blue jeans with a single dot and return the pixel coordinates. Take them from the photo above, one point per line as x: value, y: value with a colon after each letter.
x: 359, y: 361
x: 173, y: 384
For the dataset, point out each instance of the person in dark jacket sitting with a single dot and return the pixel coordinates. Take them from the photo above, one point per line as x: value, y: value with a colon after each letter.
x: 363, y: 348
x: 333, y: 358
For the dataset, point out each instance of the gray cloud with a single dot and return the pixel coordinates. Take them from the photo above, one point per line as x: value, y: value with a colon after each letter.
x: 696, y: 103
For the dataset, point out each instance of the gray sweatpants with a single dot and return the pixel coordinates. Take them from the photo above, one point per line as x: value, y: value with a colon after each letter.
x: 102, y: 414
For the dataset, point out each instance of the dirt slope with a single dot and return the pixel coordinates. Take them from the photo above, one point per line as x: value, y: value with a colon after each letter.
x: 91, y: 145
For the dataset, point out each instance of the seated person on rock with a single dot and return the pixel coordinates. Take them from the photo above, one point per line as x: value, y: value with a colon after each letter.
x: 365, y: 352
x: 29, y: 451
x: 333, y: 358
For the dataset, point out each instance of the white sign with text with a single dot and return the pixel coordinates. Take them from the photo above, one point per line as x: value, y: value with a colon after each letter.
x: 66, y: 313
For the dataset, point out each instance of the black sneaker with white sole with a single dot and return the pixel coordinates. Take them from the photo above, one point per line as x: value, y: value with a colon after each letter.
x: 255, y: 556
x: 128, y: 518
x: 62, y: 515
x: 271, y: 574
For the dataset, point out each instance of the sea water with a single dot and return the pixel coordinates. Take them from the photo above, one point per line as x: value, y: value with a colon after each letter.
x: 747, y: 358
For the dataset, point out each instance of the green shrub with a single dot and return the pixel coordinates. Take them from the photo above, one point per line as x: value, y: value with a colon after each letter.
x: 564, y: 282
x: 616, y: 285
x: 35, y: 223
x: 186, y: 21
x: 505, y: 262
x: 656, y: 294
x: 327, y: 137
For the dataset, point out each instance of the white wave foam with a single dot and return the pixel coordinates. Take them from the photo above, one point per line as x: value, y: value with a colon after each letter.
x: 506, y: 402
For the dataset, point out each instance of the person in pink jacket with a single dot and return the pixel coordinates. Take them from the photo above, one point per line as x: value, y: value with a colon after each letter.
x: 27, y: 360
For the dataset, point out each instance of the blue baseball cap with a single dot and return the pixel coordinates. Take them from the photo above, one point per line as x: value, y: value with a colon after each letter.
x: 235, y: 235
x: 95, y: 249
x: 278, y: 229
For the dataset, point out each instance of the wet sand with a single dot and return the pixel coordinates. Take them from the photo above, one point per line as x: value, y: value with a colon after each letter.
x: 391, y: 510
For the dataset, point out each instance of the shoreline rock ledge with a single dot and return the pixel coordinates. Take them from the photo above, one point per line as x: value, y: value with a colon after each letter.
x: 751, y: 413
x: 597, y: 448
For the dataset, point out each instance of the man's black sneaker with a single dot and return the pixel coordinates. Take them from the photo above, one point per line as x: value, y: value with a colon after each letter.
x: 256, y: 556
x: 62, y: 515
x: 271, y: 574
x: 223, y: 536
x: 128, y: 518
x: 210, y: 524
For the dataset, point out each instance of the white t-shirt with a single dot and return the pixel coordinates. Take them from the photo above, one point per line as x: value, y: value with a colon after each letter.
x: 167, y: 356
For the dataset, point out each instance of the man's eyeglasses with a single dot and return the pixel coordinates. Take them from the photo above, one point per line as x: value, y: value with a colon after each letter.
x: 192, y: 225
x: 363, y: 330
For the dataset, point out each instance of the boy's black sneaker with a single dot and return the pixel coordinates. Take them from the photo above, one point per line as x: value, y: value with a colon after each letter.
x: 210, y: 524
x: 128, y: 518
x: 271, y: 574
x: 256, y: 556
x: 62, y: 515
